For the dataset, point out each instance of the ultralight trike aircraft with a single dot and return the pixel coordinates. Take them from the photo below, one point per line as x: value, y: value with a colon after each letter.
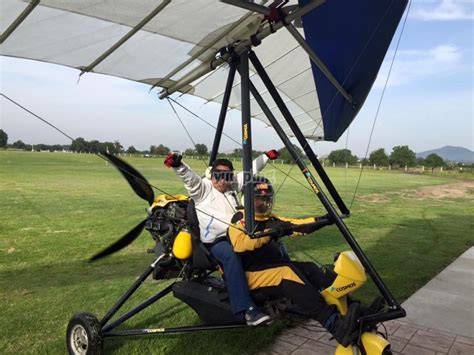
x: 306, y: 68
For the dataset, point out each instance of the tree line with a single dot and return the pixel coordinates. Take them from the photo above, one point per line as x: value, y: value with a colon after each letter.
x: 400, y: 156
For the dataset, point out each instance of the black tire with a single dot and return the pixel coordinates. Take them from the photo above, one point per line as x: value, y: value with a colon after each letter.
x: 387, y: 351
x: 84, y: 335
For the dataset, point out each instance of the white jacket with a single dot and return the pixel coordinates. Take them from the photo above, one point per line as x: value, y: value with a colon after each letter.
x: 214, y: 209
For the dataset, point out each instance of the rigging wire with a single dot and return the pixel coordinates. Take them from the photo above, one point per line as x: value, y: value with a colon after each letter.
x: 187, y: 132
x: 105, y: 159
x: 38, y: 117
x: 352, y: 68
x: 240, y: 144
x: 345, y: 168
x: 192, y: 140
x: 286, y: 176
x: 203, y: 120
x: 380, y: 101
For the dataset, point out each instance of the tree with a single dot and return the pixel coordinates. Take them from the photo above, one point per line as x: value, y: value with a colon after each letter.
x: 434, y: 160
x: 402, y: 155
x: 79, y: 145
x: 378, y: 157
x: 118, y: 148
x: 189, y: 152
x: 201, y: 149
x: 3, y: 138
x: 56, y: 148
x: 342, y: 156
x: 286, y: 156
x: 161, y: 150
x: 132, y: 150
x: 19, y: 145
x: 238, y: 152
x: 96, y: 147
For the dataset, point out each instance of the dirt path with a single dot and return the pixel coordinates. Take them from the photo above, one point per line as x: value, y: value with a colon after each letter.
x: 458, y: 189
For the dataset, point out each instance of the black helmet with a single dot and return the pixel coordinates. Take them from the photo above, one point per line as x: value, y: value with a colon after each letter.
x: 263, y: 196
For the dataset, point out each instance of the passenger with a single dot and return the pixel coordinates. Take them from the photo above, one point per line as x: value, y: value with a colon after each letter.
x: 216, y: 202
x: 274, y: 275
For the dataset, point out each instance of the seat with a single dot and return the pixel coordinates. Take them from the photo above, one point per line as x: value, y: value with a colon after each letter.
x: 202, y: 258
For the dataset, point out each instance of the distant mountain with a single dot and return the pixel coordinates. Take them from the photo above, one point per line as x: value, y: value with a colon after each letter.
x: 458, y: 154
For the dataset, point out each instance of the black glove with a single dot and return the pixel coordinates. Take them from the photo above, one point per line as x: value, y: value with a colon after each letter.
x: 284, y: 228
x: 324, y: 220
x: 173, y: 160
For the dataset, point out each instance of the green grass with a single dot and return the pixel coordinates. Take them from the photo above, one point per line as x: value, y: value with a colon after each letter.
x: 58, y: 209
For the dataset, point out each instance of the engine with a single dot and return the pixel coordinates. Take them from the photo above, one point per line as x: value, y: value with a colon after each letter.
x: 166, y: 218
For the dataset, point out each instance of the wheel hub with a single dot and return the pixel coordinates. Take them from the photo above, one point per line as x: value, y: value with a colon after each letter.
x: 79, y: 340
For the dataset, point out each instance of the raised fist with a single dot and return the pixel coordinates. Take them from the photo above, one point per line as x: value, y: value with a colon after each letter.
x: 272, y: 154
x: 173, y: 160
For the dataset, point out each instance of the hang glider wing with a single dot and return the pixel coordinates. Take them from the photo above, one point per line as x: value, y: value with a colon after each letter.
x: 164, y: 43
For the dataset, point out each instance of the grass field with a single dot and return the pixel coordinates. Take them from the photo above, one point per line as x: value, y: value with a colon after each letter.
x: 58, y: 209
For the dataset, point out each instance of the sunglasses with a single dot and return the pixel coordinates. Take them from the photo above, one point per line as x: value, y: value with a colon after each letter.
x: 226, y: 175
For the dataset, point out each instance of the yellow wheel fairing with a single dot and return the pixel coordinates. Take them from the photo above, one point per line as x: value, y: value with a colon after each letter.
x: 340, y: 303
x: 350, y: 277
x: 349, y: 350
x: 349, y: 266
x: 373, y: 344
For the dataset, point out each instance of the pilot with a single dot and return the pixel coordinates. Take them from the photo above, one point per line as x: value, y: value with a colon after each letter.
x: 216, y: 202
x: 274, y: 275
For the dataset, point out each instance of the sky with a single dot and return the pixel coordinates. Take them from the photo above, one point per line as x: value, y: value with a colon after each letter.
x: 427, y: 104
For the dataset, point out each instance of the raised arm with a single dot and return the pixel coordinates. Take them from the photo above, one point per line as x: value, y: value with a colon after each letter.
x: 193, y: 183
x: 257, y: 166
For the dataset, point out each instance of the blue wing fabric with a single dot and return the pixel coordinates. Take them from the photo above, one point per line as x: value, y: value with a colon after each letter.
x: 351, y: 37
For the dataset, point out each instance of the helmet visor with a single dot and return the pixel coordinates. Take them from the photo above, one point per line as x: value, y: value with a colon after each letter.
x: 263, y: 203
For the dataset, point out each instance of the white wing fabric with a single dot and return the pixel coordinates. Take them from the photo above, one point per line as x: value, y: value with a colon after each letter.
x: 165, y: 35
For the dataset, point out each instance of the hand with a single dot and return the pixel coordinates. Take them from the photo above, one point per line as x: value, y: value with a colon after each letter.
x: 173, y: 160
x: 272, y: 154
x: 322, y: 218
x: 285, y: 228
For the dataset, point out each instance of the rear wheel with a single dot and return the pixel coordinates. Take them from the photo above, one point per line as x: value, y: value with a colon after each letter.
x: 84, y: 335
x: 387, y: 351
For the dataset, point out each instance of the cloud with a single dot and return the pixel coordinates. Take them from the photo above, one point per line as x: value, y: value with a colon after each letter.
x: 414, y: 65
x: 443, y: 10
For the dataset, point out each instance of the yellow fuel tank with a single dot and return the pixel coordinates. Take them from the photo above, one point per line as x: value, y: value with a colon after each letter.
x: 182, y: 246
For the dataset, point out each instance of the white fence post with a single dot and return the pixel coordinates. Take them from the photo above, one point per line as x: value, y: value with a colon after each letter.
x: 406, y: 168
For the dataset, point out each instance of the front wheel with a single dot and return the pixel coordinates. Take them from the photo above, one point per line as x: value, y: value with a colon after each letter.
x: 84, y: 335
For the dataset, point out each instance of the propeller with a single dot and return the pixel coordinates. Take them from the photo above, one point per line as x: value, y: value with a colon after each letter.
x: 122, y: 242
x: 143, y: 189
x: 136, y: 180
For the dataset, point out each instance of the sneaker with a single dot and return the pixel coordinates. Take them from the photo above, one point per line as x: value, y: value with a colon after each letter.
x: 254, y: 317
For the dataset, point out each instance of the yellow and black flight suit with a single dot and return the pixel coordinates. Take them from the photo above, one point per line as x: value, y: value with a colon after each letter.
x: 273, y: 275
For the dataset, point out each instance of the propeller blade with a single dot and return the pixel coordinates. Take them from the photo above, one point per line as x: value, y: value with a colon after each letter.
x: 122, y: 242
x: 136, y: 180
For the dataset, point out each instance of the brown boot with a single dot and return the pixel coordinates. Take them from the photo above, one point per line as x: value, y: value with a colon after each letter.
x: 344, y: 328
